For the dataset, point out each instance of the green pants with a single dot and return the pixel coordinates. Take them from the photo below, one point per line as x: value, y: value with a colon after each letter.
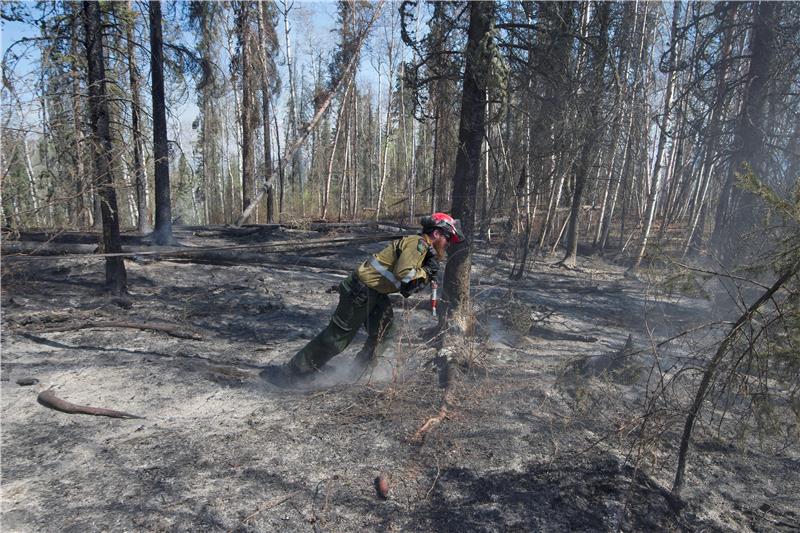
x: 358, y: 304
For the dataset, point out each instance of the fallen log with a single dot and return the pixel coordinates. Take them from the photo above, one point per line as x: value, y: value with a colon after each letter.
x: 260, y: 248
x: 176, y: 331
x: 50, y: 400
x: 47, y: 248
x: 288, y: 261
x: 70, y: 237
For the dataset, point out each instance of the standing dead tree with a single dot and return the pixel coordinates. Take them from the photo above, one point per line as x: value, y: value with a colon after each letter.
x: 162, y: 233
x: 472, y: 129
x: 116, y: 277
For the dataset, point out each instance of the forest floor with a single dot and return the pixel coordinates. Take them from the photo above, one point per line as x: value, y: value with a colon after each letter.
x: 538, y: 439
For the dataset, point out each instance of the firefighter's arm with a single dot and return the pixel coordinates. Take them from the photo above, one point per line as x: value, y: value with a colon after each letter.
x: 409, y: 266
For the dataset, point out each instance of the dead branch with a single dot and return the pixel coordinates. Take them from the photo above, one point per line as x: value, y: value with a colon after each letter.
x: 269, y: 505
x: 176, y: 331
x: 49, y: 399
x: 419, y: 436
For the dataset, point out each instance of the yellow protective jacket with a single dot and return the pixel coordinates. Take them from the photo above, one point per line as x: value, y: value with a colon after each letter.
x: 400, y: 262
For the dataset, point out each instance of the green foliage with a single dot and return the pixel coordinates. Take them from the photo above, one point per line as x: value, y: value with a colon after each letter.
x: 789, y: 208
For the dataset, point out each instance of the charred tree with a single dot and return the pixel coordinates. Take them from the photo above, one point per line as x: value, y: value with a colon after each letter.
x: 472, y: 128
x: 116, y: 277
x: 162, y: 234
x: 736, y: 209
x: 249, y: 116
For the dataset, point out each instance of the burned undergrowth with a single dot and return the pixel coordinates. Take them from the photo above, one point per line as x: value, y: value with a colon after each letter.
x: 554, y: 423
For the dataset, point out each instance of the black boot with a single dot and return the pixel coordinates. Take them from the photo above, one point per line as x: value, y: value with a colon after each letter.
x: 285, y: 376
x: 366, y: 356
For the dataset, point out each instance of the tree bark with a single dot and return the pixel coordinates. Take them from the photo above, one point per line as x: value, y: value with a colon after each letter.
x: 116, y: 277
x: 472, y: 128
x: 736, y: 210
x: 249, y: 116
x: 162, y: 233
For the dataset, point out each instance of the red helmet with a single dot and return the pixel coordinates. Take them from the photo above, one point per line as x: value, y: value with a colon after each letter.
x: 442, y: 221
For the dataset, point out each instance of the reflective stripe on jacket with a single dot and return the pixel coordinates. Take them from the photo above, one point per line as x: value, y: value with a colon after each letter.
x: 399, y: 262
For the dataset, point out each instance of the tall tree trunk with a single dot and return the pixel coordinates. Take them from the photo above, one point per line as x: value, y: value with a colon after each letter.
x: 116, y: 277
x: 268, y: 180
x: 472, y: 128
x: 249, y: 115
x: 138, y: 160
x: 736, y: 210
x: 329, y: 175
x: 163, y: 229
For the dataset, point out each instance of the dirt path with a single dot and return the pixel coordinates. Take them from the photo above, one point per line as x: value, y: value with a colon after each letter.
x: 221, y: 450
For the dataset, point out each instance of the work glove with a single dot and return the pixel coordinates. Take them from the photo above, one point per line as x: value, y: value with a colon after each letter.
x: 431, y: 266
x: 415, y: 285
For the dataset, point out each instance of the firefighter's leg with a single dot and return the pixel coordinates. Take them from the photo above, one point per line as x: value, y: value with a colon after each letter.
x: 351, y: 312
x: 380, y: 325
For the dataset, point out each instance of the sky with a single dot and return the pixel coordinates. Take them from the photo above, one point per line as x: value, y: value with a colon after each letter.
x: 311, y: 31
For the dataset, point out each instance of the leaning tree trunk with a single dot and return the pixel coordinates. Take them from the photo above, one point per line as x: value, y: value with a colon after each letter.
x: 708, y: 374
x: 116, y: 277
x: 163, y: 230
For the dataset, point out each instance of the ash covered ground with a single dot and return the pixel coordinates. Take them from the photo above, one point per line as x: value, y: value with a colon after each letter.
x: 540, y: 437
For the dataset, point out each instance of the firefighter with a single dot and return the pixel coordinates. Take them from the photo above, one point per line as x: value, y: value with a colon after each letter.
x: 406, y: 266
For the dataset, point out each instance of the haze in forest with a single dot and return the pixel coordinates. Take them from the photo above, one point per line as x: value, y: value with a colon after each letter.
x: 625, y: 304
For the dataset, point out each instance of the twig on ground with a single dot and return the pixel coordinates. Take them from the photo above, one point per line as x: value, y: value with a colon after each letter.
x: 419, y: 436
x: 266, y: 507
x: 435, y: 479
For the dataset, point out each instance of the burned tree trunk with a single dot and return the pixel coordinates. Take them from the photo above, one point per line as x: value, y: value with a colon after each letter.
x: 249, y: 116
x: 470, y: 136
x: 163, y: 230
x: 735, y: 212
x: 116, y: 277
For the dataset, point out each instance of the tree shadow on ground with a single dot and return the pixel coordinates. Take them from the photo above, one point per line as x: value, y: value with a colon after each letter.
x: 575, y: 494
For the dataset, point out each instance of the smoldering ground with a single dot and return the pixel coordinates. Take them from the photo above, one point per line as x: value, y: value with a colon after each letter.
x: 539, y: 437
